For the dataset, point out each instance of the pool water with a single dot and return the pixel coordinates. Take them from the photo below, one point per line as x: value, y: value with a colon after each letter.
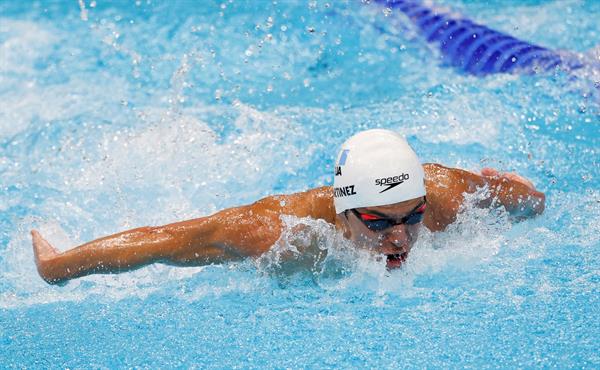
x: 115, y: 115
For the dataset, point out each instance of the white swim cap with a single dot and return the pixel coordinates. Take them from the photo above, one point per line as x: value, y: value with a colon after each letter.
x: 376, y: 168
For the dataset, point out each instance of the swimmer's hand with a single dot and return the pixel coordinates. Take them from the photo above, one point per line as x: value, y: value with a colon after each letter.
x: 44, y: 254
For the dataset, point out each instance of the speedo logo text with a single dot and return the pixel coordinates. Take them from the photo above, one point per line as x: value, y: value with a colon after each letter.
x: 391, y: 182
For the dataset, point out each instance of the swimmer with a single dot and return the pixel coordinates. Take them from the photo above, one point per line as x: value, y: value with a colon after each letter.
x: 382, y: 195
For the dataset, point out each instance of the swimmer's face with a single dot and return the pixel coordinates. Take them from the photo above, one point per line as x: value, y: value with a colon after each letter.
x: 364, y: 227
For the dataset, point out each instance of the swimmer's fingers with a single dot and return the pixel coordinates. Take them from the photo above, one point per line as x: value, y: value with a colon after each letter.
x: 45, y: 256
x: 42, y: 250
x: 514, y: 177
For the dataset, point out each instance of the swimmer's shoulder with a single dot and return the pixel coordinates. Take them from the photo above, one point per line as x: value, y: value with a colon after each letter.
x: 454, y: 179
x: 437, y: 175
x: 444, y: 195
x: 316, y: 203
x: 436, y: 170
x: 321, y: 200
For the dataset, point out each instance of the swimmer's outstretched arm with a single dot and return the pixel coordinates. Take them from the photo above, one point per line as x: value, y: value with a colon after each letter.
x: 231, y: 234
x: 194, y: 242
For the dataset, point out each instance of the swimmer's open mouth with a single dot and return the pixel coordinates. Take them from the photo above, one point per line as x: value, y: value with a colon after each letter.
x: 396, y: 260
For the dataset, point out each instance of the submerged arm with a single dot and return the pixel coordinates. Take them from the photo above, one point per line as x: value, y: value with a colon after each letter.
x: 446, y: 188
x: 515, y: 193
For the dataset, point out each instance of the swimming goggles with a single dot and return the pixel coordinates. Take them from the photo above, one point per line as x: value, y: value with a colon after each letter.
x: 375, y: 223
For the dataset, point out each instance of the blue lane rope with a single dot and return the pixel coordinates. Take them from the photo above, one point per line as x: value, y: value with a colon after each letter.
x: 475, y: 48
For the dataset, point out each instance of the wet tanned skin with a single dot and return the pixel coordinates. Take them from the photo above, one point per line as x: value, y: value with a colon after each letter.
x: 251, y: 230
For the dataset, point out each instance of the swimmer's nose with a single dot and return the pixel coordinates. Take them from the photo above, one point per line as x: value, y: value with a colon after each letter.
x: 399, y: 237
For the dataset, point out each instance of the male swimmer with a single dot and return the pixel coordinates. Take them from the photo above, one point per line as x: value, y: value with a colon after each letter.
x: 380, y: 198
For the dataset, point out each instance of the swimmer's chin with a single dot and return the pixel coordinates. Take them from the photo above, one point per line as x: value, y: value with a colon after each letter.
x: 394, y: 261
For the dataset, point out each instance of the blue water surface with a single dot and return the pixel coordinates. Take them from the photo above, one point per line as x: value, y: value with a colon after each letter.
x: 117, y: 114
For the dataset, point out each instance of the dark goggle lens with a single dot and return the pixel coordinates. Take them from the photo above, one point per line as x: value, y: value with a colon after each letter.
x: 381, y: 224
x: 378, y: 225
x: 414, y: 218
